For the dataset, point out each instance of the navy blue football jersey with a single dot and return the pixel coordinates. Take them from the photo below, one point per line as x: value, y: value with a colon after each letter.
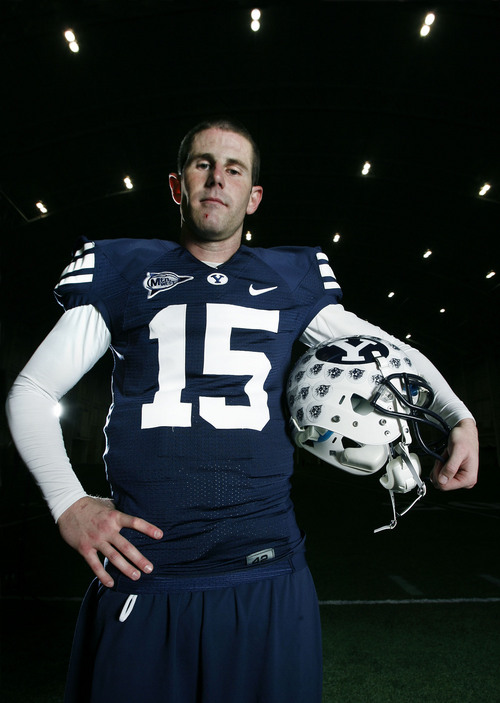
x: 196, y: 434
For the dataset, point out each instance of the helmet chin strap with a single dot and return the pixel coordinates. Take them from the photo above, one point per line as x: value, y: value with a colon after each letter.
x: 402, y: 471
x: 403, y: 474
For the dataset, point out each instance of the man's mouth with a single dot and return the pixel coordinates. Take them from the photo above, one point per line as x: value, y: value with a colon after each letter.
x: 212, y: 200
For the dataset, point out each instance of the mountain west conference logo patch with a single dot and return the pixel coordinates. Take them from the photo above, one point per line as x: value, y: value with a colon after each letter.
x: 156, y: 283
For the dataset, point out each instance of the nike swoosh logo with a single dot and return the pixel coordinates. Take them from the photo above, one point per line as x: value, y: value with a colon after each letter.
x: 259, y: 291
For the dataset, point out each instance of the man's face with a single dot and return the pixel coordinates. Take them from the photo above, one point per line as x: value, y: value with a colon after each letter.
x: 215, y: 190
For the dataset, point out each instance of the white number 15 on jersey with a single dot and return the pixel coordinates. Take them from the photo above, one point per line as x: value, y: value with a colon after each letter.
x: 169, y: 328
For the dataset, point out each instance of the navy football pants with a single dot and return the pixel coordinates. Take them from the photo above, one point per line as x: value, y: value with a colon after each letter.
x: 257, y: 642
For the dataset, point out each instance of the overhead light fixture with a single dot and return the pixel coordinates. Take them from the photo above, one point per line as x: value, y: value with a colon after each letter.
x: 70, y: 37
x: 442, y: 310
x: 255, y: 15
x: 366, y: 168
x: 428, y: 22
x: 491, y: 274
x: 484, y: 189
x: 42, y: 207
x: 391, y: 294
x: 408, y: 336
x: 336, y: 238
x: 248, y: 236
x: 128, y: 182
x: 427, y: 254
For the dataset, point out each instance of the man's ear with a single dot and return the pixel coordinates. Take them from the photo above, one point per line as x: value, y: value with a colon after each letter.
x: 174, y: 181
x: 255, y: 198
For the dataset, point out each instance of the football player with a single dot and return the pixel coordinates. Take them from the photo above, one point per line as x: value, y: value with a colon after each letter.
x: 205, y: 595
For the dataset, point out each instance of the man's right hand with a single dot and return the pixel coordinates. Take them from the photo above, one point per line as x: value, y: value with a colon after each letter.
x: 93, y: 525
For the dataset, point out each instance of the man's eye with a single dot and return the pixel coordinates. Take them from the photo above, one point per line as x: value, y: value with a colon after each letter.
x: 203, y: 165
x: 233, y: 171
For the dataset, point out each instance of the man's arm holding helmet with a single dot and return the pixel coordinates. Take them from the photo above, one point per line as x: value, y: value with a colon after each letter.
x: 460, y: 463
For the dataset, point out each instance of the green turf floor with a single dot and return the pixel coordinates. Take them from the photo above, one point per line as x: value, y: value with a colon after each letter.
x: 411, y: 653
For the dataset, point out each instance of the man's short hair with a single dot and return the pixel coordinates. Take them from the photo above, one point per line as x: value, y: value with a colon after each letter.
x: 228, y: 125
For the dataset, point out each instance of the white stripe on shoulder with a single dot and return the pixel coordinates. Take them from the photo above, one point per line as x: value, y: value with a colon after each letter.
x: 321, y: 256
x: 79, y: 278
x: 326, y: 271
x: 86, y: 247
x: 82, y: 262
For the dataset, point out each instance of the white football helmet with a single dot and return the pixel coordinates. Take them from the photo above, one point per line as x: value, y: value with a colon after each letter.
x: 358, y: 403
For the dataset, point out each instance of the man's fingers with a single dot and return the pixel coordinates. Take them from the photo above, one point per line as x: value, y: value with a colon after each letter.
x: 139, y: 525
x: 122, y: 553
x: 124, y: 557
x: 449, y: 476
x: 119, y: 562
x: 95, y: 564
x: 133, y: 556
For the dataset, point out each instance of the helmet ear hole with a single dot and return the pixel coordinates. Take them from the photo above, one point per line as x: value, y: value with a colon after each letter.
x: 349, y: 443
x: 360, y: 405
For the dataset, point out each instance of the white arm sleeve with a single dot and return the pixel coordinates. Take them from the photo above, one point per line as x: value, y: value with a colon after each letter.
x: 334, y: 321
x: 74, y: 345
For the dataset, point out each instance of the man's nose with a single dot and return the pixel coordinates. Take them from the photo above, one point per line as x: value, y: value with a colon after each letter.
x: 216, y: 176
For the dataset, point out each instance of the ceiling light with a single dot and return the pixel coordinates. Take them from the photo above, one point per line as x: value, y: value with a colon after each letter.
x: 70, y: 37
x: 128, y: 182
x: 408, y: 336
x: 427, y: 254
x: 366, y: 168
x: 491, y: 274
x: 426, y: 27
x: 391, y: 294
x: 484, y: 189
x: 41, y: 207
x: 248, y: 236
x: 336, y: 237
x: 442, y: 310
x: 255, y: 15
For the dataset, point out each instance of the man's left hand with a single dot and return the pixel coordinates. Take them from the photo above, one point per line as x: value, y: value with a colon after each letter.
x: 461, y: 460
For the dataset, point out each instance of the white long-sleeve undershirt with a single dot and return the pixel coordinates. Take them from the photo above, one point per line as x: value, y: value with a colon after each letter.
x: 71, y: 349
x: 81, y: 338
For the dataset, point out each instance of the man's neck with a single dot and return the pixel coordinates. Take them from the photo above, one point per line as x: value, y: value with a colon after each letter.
x: 216, y: 252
